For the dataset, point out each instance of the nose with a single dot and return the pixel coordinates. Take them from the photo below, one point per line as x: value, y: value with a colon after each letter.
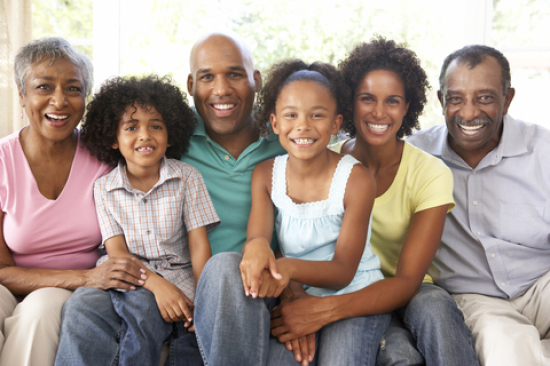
x: 469, y: 111
x: 221, y: 86
x: 144, y: 134
x: 302, y: 123
x: 379, y: 111
x: 58, y: 98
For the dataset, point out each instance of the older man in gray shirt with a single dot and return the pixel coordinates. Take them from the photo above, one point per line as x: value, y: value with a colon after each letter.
x: 494, y: 257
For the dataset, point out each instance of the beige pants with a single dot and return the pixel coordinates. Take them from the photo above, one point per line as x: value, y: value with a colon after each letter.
x: 30, y: 328
x: 510, y: 332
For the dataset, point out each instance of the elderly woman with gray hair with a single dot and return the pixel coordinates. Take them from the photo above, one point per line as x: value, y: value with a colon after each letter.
x: 49, y: 233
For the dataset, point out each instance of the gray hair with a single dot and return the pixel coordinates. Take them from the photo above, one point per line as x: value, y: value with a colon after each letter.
x: 246, y: 52
x: 51, y: 49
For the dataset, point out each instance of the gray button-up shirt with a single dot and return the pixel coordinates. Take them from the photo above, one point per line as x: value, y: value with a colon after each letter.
x: 496, y: 240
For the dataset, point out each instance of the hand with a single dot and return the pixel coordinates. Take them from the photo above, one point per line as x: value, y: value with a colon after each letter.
x: 271, y: 287
x: 299, y: 316
x: 117, y: 272
x: 303, y: 348
x: 257, y: 256
x: 172, y: 302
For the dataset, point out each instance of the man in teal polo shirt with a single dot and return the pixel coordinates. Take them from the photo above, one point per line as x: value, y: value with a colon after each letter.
x: 226, y: 145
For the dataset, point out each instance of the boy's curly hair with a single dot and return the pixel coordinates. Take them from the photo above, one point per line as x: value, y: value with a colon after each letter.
x: 278, y: 76
x: 108, y: 106
x: 382, y: 54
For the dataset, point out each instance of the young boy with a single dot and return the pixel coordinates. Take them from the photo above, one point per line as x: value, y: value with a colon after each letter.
x: 151, y: 207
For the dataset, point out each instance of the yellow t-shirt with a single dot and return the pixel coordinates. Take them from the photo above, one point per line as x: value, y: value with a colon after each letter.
x: 422, y: 181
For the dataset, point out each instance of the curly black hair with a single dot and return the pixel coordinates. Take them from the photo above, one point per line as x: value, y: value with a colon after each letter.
x: 279, y: 75
x: 382, y: 54
x: 108, y: 106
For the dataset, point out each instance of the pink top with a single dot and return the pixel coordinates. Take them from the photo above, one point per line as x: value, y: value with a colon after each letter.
x: 42, y: 233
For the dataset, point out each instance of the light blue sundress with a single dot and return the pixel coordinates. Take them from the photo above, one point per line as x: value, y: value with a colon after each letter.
x: 309, y: 230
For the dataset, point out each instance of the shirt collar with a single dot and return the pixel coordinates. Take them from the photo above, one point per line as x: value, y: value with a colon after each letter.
x: 120, y: 180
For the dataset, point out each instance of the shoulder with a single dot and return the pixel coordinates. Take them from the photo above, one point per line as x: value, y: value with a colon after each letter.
x: 360, y: 177
x: 534, y: 135
x: 8, y: 144
x: 422, y: 168
x: 417, y: 158
x: 108, y: 179
x: 431, y: 139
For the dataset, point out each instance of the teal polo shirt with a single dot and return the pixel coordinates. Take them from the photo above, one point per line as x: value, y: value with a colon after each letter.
x: 228, y: 182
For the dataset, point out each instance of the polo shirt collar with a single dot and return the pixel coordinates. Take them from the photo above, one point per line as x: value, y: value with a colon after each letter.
x: 120, y: 179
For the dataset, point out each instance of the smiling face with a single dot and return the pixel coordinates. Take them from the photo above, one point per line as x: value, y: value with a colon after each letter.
x: 379, y: 107
x: 305, y: 118
x: 54, y: 99
x: 221, y: 86
x: 474, y: 104
x: 142, y: 138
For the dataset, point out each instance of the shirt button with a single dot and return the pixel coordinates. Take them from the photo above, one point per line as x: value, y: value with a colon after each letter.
x: 474, y: 203
x: 474, y: 172
x: 148, y: 232
x: 155, y: 266
x: 503, y: 284
x: 493, y: 255
x: 226, y: 157
x: 145, y: 200
x: 207, y: 139
x: 478, y: 233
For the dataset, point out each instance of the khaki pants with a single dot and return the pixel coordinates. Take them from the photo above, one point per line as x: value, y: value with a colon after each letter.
x: 30, y: 328
x: 510, y: 332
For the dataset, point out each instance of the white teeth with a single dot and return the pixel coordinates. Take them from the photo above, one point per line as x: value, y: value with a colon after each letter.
x: 56, y: 116
x: 303, y: 141
x: 145, y: 148
x: 378, y: 128
x: 470, y: 130
x: 223, y: 106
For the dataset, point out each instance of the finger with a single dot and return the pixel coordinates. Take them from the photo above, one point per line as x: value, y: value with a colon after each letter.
x: 311, y: 346
x: 255, y: 283
x: 296, y: 350
x: 304, y: 350
x: 244, y: 278
x: 272, y: 267
x: 191, y: 328
x: 165, y: 316
x: 186, y: 312
x: 121, y: 285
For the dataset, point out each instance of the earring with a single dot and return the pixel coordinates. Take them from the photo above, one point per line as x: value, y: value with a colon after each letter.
x: 21, y: 114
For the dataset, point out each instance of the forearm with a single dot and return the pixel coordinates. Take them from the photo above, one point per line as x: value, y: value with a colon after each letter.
x: 22, y: 281
x: 328, y: 274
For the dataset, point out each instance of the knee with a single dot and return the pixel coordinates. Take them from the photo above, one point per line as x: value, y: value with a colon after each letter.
x: 222, y: 267
x: 42, y: 305
x: 433, y: 300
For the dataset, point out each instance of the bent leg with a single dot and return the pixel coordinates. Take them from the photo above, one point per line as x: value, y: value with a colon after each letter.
x: 143, y: 330
x: 442, y: 336
x: 184, y: 350
x: 8, y: 302
x: 398, y: 346
x: 90, y: 329
x: 231, y: 328
x: 502, y: 335
x: 32, y: 332
x: 352, y: 341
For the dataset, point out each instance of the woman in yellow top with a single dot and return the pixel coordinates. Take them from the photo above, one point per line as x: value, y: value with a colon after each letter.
x: 414, y: 193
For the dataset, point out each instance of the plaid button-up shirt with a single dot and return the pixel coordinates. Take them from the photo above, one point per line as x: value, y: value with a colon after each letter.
x: 155, y: 224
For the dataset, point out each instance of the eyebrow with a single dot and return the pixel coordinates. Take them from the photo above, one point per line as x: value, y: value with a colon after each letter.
x: 231, y: 68
x: 390, y: 96
x: 50, y: 78
x: 315, y: 107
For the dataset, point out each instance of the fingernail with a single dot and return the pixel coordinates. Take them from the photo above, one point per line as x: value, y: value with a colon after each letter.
x: 299, y: 358
x: 132, y: 288
x: 141, y: 282
x: 190, y: 319
x: 142, y: 270
x: 144, y: 276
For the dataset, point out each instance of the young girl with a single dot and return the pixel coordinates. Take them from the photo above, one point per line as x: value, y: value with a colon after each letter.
x: 151, y: 207
x: 323, y: 201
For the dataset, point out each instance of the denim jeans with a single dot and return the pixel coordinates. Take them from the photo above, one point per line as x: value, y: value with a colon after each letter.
x: 233, y: 329
x: 430, y: 330
x: 97, y: 324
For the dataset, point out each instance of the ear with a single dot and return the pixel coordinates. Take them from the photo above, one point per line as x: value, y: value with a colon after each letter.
x: 441, y: 101
x: 190, y: 82
x: 336, y: 124
x: 274, y: 124
x: 508, y: 100
x: 21, y: 100
x: 257, y: 81
x: 115, y: 145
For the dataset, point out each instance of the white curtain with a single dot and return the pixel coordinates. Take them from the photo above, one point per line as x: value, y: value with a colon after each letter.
x: 15, y: 32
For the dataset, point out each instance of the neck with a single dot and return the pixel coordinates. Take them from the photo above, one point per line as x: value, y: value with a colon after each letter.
x: 237, y: 142
x: 377, y: 157
x: 35, y: 146
x: 143, y: 178
x: 309, y: 169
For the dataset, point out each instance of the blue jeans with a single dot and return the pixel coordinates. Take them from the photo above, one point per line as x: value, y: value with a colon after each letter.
x: 233, y: 329
x: 430, y: 330
x: 110, y: 328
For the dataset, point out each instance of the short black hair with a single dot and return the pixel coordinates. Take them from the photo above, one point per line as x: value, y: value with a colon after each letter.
x: 281, y: 74
x: 474, y: 55
x: 108, y: 106
x: 382, y: 54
